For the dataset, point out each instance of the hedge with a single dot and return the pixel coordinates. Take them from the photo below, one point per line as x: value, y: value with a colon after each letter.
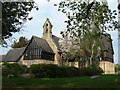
x: 12, y: 69
x: 52, y: 70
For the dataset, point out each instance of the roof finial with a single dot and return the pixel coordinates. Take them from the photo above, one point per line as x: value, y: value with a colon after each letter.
x: 47, y: 19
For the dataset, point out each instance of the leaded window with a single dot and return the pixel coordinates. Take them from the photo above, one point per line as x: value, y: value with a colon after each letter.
x: 32, y: 52
x: 47, y: 56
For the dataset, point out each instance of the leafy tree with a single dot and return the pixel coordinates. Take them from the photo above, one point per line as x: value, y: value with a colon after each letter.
x: 65, y: 45
x: 89, y: 21
x: 14, y: 15
x: 70, y: 48
x: 21, y: 43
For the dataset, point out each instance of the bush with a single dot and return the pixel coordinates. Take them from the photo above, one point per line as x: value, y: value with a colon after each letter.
x: 12, y: 69
x: 117, y: 68
x: 51, y: 71
x: 69, y: 71
x: 44, y: 70
x: 91, y: 70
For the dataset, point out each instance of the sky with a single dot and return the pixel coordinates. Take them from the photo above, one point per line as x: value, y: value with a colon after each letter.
x: 48, y: 10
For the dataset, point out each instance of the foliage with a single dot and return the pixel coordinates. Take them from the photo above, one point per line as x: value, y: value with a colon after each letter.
x: 21, y: 43
x: 14, y: 15
x: 117, y: 67
x: 117, y: 70
x: 91, y: 70
x: 12, y: 69
x: 65, y: 45
x: 69, y: 71
x: 52, y: 71
x: 44, y: 70
x: 87, y: 22
x: 80, y: 21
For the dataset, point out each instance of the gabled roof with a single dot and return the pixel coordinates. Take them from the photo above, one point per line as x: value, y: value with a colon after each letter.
x: 47, y: 20
x: 107, y: 43
x: 56, y: 40
x: 13, y: 55
x: 43, y: 44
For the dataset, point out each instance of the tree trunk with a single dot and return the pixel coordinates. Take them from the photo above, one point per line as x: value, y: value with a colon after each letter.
x: 92, y: 53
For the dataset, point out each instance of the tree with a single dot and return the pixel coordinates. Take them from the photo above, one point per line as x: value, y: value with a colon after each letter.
x: 70, y: 48
x: 14, y: 15
x: 89, y: 21
x: 65, y: 45
x: 21, y: 43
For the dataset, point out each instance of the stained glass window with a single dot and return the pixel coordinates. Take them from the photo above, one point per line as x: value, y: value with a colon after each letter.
x: 34, y: 52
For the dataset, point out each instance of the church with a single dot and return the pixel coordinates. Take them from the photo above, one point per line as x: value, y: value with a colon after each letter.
x: 46, y: 50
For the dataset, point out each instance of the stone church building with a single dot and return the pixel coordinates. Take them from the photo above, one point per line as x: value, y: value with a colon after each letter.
x: 46, y: 50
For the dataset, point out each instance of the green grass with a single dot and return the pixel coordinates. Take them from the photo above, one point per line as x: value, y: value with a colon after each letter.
x: 104, y: 81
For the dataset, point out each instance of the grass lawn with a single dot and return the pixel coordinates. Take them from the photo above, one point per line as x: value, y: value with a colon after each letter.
x: 104, y: 81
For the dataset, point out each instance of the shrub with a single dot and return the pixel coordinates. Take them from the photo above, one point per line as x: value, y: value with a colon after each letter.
x: 69, y: 71
x: 14, y: 69
x: 51, y: 71
x: 91, y: 70
x: 44, y: 70
x: 117, y: 68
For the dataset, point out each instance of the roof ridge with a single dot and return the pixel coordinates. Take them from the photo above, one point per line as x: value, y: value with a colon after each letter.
x: 37, y: 37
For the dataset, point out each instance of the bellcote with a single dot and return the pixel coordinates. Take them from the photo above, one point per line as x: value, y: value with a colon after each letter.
x: 47, y: 26
x: 47, y: 29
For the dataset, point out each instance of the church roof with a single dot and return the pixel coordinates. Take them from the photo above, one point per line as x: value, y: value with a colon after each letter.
x: 107, y: 43
x: 43, y: 44
x: 13, y: 55
x: 56, y: 40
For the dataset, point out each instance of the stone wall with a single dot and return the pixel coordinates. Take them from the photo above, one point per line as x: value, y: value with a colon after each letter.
x: 108, y: 67
x: 30, y: 62
x: 37, y: 61
x: 54, y: 48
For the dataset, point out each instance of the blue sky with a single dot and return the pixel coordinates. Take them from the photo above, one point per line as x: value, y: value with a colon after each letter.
x: 48, y: 10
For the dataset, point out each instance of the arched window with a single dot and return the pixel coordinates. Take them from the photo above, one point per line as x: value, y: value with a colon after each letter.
x: 46, y: 28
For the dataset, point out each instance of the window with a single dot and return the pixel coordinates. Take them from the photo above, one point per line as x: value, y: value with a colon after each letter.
x: 32, y: 52
x: 47, y: 56
x: 46, y: 28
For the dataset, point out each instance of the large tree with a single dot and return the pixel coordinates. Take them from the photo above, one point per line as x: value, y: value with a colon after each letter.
x: 14, y: 15
x: 88, y: 20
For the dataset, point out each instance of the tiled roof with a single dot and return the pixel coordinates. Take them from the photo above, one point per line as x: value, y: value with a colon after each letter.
x: 107, y: 44
x: 56, y: 40
x: 13, y: 55
x: 43, y: 44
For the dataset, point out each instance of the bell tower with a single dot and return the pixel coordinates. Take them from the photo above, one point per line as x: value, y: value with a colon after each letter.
x: 47, y: 29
